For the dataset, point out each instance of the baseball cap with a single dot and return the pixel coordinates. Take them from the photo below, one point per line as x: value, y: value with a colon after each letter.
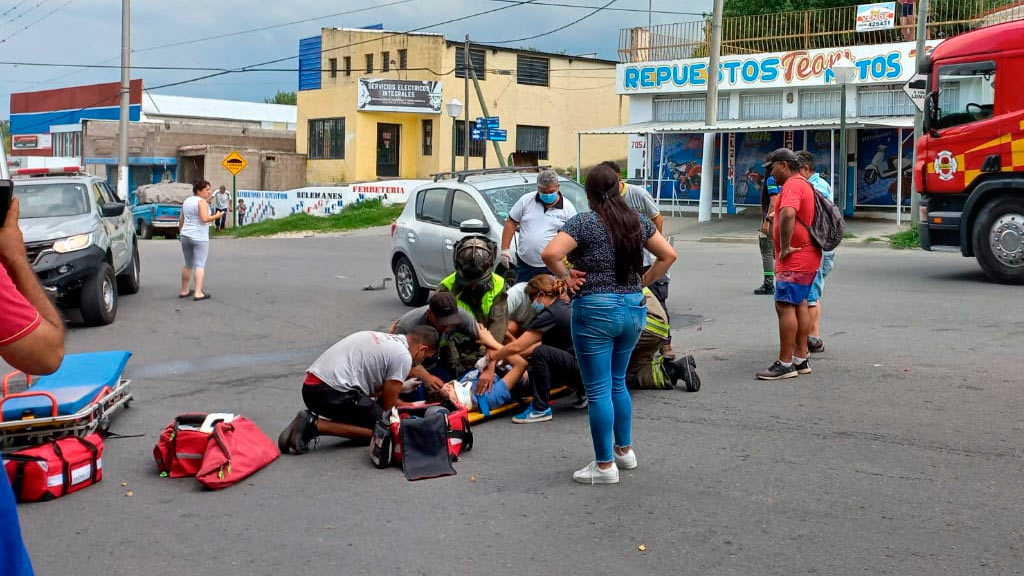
x: 445, y: 309
x: 779, y: 155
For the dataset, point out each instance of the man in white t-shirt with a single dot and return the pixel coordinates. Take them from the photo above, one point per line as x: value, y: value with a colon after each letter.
x: 350, y: 385
x: 539, y: 216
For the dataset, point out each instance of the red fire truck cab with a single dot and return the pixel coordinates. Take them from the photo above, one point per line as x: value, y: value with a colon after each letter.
x: 970, y: 160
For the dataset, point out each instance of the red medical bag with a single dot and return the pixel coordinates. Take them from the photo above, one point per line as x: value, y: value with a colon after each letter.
x: 386, y: 446
x: 179, y: 450
x: 236, y: 450
x: 56, y: 468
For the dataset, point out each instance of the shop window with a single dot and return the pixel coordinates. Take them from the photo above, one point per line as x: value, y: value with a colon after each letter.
x: 476, y: 147
x: 326, y: 139
x: 884, y: 102
x: 465, y: 208
x: 403, y: 59
x: 532, y: 71
x: 477, y: 57
x: 369, y: 63
x: 430, y: 205
x: 334, y: 67
x: 967, y: 93
x: 766, y: 106
x: 532, y: 140
x: 428, y: 137
x: 67, y: 144
x: 385, y: 61
x: 348, y: 65
x: 820, y: 103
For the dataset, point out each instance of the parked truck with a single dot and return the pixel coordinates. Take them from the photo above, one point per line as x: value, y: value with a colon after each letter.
x: 970, y: 160
x: 156, y: 208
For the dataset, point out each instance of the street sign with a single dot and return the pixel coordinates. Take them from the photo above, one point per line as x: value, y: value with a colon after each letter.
x: 492, y: 122
x: 915, y: 89
x: 479, y: 123
x: 478, y: 133
x: 234, y: 163
x: 497, y: 135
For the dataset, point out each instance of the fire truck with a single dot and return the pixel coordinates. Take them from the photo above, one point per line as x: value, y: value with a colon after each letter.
x: 970, y: 159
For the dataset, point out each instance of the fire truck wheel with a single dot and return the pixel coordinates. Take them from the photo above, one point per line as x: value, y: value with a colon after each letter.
x: 999, y: 239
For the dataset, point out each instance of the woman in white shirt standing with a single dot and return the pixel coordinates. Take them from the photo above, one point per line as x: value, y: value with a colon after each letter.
x: 195, y: 223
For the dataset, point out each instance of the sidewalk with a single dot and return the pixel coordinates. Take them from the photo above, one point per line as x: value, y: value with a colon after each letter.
x: 869, y: 231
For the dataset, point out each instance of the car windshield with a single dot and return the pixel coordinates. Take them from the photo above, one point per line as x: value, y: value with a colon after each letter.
x: 51, y: 200
x: 501, y: 199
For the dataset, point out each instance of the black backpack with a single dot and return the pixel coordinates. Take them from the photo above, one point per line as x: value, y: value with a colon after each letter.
x: 827, y: 228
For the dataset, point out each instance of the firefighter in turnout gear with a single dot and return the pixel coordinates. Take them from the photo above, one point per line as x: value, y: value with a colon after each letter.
x: 648, y: 368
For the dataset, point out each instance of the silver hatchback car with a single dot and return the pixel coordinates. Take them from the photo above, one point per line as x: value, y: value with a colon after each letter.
x: 423, y: 238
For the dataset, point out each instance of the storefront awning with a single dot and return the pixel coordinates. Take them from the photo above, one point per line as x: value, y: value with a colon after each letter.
x: 755, y: 125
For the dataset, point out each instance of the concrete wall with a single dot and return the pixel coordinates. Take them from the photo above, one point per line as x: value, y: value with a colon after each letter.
x: 99, y: 138
x: 581, y: 96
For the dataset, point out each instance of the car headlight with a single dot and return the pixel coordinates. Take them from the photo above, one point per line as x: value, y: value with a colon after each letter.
x: 72, y: 243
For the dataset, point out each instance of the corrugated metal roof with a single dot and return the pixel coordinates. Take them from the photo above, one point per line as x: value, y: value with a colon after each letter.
x: 756, y: 125
x: 186, y: 107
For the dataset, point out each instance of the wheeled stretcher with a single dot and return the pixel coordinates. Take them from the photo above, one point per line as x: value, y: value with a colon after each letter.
x: 77, y: 399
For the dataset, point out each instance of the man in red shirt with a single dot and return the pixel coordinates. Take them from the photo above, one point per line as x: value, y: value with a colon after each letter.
x: 797, y: 262
x: 31, y: 340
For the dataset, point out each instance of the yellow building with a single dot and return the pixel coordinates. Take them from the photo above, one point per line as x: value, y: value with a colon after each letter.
x: 372, y: 104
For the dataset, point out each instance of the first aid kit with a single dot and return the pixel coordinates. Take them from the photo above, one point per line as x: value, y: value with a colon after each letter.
x: 56, y: 468
x: 386, y: 445
x: 179, y: 450
x: 218, y: 449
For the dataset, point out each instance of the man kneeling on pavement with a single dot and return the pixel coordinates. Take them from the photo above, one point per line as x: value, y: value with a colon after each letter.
x: 353, y: 383
x: 648, y: 368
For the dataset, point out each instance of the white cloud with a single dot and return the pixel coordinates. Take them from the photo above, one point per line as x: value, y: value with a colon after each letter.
x: 88, y: 32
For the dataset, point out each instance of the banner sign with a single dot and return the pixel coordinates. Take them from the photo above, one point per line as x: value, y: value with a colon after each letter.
x: 880, y: 16
x: 263, y: 205
x: 876, y: 64
x: 385, y: 95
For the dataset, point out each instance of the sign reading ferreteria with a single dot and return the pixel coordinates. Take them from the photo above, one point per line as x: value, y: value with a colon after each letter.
x: 876, y: 64
x: 386, y: 95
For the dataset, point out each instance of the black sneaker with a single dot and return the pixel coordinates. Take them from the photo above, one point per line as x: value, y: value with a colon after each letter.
x: 815, y: 345
x: 778, y: 372
x: 580, y: 402
x: 767, y: 288
x: 299, y: 433
x: 803, y: 367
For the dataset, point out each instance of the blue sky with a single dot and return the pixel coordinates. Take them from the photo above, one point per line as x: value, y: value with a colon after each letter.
x: 88, y: 32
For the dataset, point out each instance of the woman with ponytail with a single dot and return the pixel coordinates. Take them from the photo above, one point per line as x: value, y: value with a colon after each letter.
x: 604, y: 248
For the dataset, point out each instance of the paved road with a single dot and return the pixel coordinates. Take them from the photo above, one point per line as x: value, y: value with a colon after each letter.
x: 901, y: 454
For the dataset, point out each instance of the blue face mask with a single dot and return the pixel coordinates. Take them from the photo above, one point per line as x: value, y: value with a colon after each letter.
x: 548, y: 198
x: 537, y: 306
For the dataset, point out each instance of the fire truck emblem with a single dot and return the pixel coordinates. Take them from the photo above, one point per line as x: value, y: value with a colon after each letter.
x: 945, y: 165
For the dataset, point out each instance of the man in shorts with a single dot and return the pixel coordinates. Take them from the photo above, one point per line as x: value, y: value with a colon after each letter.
x: 808, y: 170
x: 350, y: 385
x: 797, y: 262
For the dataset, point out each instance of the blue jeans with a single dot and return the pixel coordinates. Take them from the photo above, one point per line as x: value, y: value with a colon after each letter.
x: 525, y: 273
x: 605, y: 329
x: 827, y: 262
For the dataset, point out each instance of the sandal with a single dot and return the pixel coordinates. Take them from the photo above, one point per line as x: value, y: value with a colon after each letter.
x: 203, y: 297
x: 186, y: 295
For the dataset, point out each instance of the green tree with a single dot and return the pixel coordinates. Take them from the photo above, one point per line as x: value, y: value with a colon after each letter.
x: 5, y: 127
x: 282, y: 97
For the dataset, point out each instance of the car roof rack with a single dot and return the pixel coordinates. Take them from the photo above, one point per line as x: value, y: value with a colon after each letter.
x: 461, y: 175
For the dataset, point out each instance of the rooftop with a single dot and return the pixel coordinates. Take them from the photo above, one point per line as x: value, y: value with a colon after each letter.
x: 214, y: 109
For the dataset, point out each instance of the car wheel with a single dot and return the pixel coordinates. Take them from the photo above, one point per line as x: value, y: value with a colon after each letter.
x: 408, y: 287
x: 145, y: 230
x: 999, y: 240
x: 128, y: 283
x: 99, y: 297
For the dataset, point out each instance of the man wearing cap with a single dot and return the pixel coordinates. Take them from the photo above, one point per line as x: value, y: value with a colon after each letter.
x: 769, y: 196
x: 451, y: 322
x: 797, y: 262
x: 539, y: 216
x: 808, y: 169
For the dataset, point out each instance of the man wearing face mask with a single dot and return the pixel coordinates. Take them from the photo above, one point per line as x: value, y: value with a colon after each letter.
x: 353, y: 383
x: 539, y: 216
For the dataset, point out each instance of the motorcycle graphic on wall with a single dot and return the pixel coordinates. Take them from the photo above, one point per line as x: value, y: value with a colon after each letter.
x: 884, y: 166
x: 686, y: 175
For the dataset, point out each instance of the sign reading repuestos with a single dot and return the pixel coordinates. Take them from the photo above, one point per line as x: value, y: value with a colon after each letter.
x: 385, y: 95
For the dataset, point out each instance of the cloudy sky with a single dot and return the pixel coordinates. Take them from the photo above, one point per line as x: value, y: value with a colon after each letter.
x: 87, y: 32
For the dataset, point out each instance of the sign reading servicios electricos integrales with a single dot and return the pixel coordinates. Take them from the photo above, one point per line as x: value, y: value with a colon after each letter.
x: 386, y: 95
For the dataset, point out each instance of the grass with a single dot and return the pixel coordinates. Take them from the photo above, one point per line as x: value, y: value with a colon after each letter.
x: 847, y: 235
x: 905, y: 239
x: 362, y: 215
x: 871, y: 239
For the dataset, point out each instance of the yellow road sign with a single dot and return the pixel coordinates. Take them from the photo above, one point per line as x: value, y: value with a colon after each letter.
x: 234, y: 162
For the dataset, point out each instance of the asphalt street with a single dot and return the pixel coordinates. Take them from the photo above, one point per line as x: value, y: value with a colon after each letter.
x: 901, y: 453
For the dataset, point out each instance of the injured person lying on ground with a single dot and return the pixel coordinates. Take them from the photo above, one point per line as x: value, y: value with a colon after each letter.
x: 351, y: 384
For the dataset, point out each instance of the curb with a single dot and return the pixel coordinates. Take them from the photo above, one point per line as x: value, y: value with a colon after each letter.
x: 746, y: 240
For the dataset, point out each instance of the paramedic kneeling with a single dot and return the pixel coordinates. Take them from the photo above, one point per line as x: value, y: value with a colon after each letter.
x: 353, y: 383
x: 31, y: 340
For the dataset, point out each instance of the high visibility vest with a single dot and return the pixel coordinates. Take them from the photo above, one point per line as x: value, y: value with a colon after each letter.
x: 497, y: 287
x: 657, y: 321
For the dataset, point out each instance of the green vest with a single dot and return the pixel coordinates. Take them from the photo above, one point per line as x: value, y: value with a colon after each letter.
x: 497, y: 287
x: 656, y: 322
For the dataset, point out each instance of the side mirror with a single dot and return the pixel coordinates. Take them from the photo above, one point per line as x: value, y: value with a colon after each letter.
x: 474, y: 226
x: 931, y: 113
x: 924, y: 65
x: 112, y: 210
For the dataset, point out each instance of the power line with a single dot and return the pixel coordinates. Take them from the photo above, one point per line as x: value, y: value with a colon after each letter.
x: 559, y: 29
x: 497, y: 71
x: 23, y: 13
x: 34, y: 22
x: 585, y: 7
x: 12, y: 8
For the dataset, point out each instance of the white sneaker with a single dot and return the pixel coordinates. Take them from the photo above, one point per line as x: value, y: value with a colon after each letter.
x: 591, y: 474
x: 626, y: 461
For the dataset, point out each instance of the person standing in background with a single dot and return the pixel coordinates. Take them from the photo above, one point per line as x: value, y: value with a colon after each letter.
x: 195, y: 223
x: 222, y: 203
x: 241, y: 212
x: 539, y: 216
x: 769, y: 195
x: 807, y: 169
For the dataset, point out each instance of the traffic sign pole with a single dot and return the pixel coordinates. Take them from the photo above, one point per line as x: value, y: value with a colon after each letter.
x: 234, y: 201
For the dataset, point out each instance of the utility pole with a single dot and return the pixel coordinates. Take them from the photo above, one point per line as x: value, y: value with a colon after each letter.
x: 465, y: 123
x: 122, y: 126
x: 922, y: 32
x: 483, y: 108
x: 707, y: 180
